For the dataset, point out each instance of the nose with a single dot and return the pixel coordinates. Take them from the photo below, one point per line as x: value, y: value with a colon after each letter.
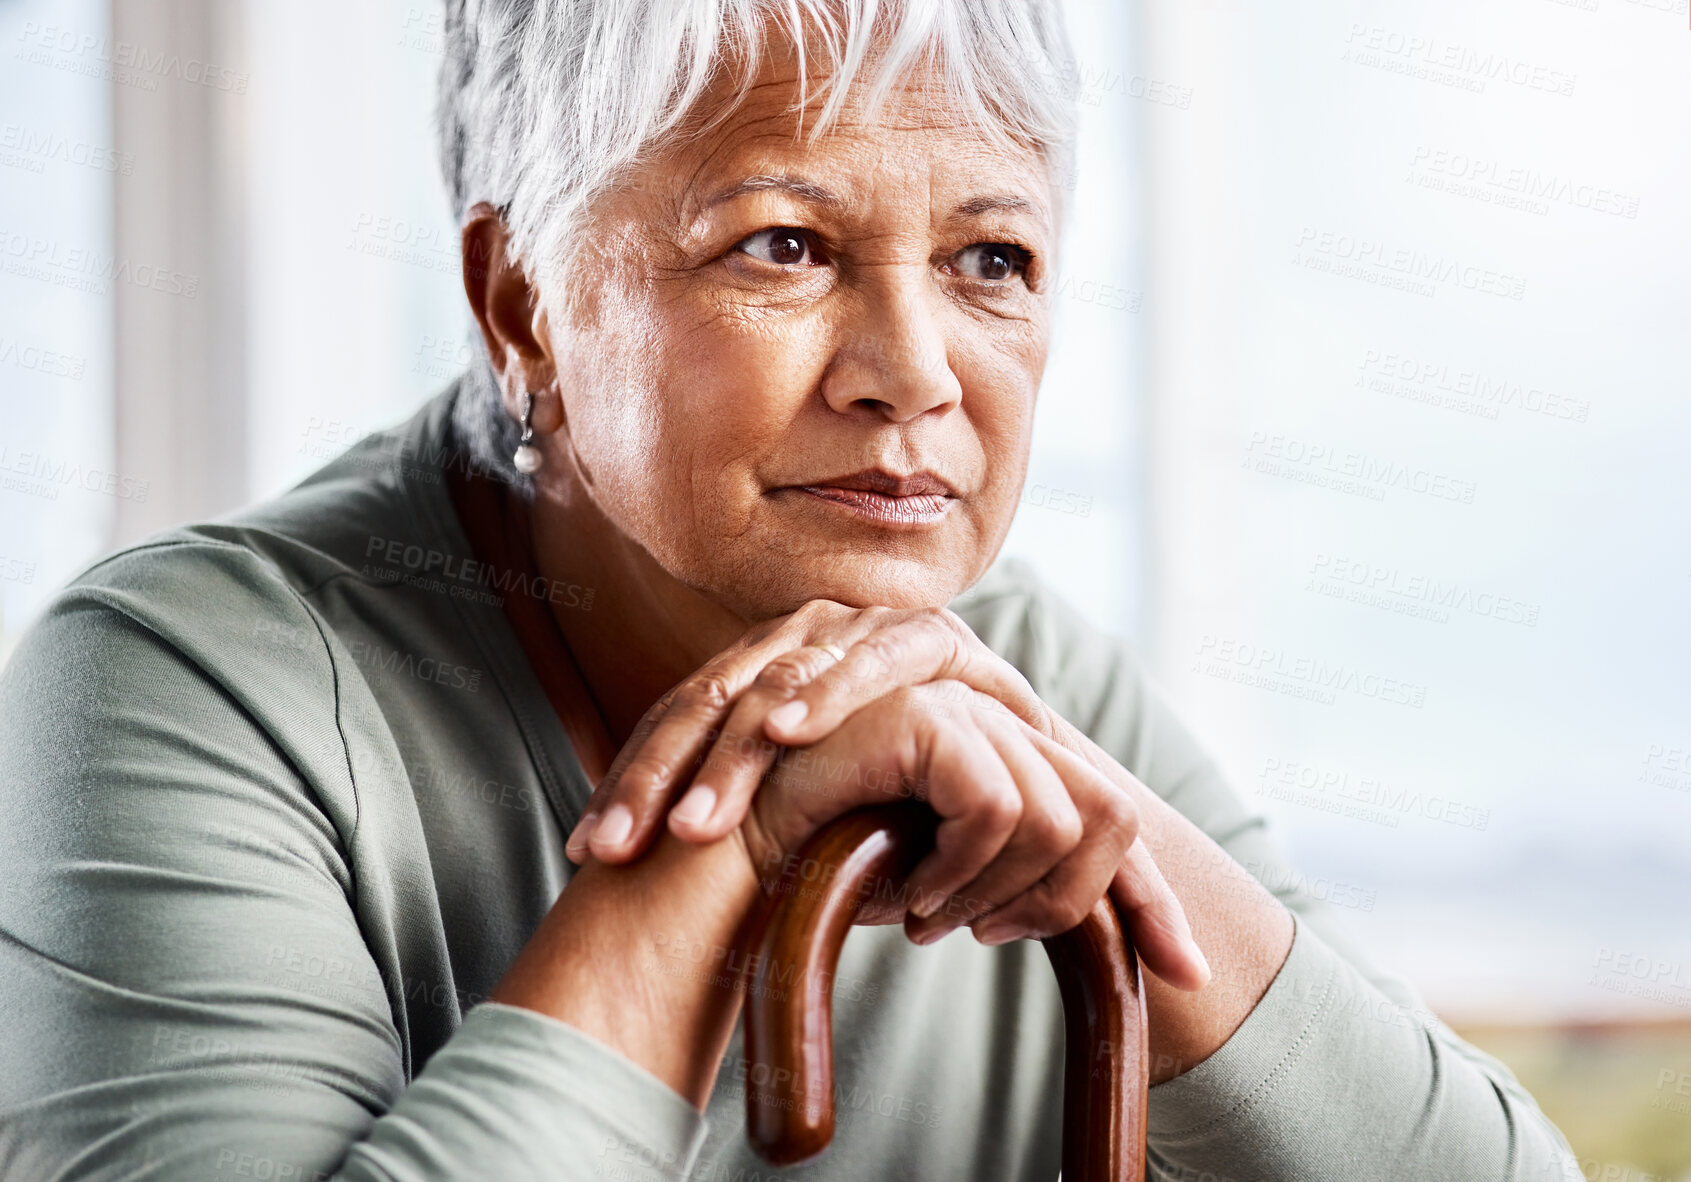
x: 891, y: 360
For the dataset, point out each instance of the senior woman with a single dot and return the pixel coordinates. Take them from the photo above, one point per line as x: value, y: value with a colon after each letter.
x: 402, y: 828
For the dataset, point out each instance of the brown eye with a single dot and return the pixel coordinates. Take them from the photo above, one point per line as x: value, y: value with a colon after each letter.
x: 782, y: 246
x: 991, y: 262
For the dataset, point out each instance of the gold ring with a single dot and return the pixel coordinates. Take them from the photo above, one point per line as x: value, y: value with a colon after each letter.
x: 833, y: 650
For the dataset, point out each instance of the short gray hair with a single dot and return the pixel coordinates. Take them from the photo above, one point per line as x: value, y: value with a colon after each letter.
x: 545, y: 105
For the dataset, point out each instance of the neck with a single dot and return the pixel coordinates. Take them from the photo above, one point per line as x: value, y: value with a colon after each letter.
x: 645, y: 631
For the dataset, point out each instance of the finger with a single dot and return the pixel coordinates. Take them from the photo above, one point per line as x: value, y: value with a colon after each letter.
x: 976, y: 799
x: 1156, y: 922
x: 1062, y: 899
x: 628, y: 807
x: 632, y: 799
x: 740, y: 756
x: 577, y: 847
x: 915, y: 650
x: 1064, y: 896
x: 1049, y: 830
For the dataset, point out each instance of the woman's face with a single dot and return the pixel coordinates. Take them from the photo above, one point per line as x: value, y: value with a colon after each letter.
x: 755, y: 327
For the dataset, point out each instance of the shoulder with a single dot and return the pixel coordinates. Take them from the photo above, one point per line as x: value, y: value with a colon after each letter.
x: 179, y: 628
x: 208, y: 603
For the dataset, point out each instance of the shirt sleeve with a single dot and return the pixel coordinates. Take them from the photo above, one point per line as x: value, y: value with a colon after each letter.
x: 1341, y: 1072
x: 185, y: 988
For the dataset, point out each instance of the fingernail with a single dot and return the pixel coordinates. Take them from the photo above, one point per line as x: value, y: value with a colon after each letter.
x: 789, y: 714
x: 1198, y: 955
x: 577, y: 843
x: 927, y: 937
x: 695, y: 808
x: 617, y: 824
x: 992, y: 934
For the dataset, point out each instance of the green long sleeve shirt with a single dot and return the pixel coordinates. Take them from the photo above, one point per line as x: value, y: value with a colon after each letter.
x: 281, y: 799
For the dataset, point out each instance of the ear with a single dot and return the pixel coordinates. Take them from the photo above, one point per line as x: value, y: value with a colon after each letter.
x: 513, y: 324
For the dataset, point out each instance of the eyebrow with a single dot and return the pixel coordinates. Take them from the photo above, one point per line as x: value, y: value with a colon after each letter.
x: 810, y: 191
x: 787, y: 184
x: 975, y: 206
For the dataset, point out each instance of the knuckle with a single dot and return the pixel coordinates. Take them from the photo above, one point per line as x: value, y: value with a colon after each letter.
x: 952, y: 623
x: 1062, y: 828
x: 881, y: 652
x: 1067, y: 911
x: 1039, y: 829
x: 707, y: 690
x: 814, y: 610
x: 644, y: 772
x: 786, y: 674
x: 1118, y: 816
x: 1003, y: 808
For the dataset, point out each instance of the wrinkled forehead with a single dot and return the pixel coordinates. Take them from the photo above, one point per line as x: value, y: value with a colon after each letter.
x: 787, y: 122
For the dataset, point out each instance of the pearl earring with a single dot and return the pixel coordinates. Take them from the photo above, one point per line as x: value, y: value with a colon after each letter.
x: 527, y: 457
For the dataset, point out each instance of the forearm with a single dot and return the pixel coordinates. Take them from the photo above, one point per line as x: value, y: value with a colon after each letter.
x: 1244, y: 931
x: 1332, y: 1080
x: 598, y: 960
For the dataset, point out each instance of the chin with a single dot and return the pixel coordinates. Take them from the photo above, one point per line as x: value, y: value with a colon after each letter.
x: 767, y: 589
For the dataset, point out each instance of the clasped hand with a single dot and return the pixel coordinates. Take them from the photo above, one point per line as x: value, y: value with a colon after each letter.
x: 779, y: 734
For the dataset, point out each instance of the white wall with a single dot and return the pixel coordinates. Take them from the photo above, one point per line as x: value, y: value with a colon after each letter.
x: 1518, y: 418
x: 57, y: 278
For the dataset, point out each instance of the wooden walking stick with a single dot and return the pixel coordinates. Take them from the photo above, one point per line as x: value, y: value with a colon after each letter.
x: 789, y: 1031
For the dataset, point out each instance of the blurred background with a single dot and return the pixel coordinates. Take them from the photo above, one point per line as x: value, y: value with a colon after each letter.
x: 1367, y: 422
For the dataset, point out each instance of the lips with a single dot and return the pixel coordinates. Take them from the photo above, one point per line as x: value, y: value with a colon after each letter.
x: 885, y: 498
x: 878, y: 480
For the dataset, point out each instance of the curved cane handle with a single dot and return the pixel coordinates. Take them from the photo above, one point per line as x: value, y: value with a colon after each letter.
x: 795, y: 946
